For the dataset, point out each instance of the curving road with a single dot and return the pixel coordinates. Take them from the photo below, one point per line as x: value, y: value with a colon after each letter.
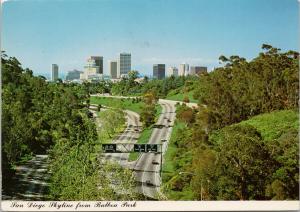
x: 148, y: 166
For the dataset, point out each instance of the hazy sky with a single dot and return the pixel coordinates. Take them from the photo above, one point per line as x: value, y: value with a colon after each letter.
x: 66, y: 32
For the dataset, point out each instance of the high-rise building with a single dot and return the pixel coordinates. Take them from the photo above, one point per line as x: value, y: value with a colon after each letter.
x: 198, y: 70
x: 113, y: 68
x: 72, y: 75
x: 159, y: 71
x: 183, y: 69
x: 173, y: 71
x: 54, y: 73
x: 99, y: 62
x: 124, y: 64
x: 92, y: 70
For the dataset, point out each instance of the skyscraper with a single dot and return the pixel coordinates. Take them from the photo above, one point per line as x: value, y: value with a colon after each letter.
x: 54, y: 73
x: 159, y: 71
x: 173, y: 71
x: 99, y: 62
x: 113, y: 68
x: 124, y: 64
x: 183, y: 69
x: 198, y: 70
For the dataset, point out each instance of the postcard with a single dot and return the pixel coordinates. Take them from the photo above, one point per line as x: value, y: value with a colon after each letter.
x: 140, y: 105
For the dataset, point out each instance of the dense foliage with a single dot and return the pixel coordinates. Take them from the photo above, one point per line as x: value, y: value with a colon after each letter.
x: 160, y: 88
x: 248, y: 160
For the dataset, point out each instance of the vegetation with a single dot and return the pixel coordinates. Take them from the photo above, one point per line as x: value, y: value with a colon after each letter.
x: 111, y: 121
x: 174, y: 88
x: 254, y: 159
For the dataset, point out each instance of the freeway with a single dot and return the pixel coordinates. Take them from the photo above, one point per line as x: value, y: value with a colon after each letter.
x: 148, y: 166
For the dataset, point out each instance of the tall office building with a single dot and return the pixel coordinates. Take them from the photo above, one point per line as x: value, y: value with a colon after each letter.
x: 158, y: 71
x: 124, y: 64
x: 99, y: 62
x: 113, y: 68
x: 183, y: 69
x: 54, y: 73
x: 198, y: 70
x: 173, y: 71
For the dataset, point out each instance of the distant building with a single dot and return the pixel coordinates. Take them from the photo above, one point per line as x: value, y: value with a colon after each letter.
x: 159, y: 71
x: 183, y: 69
x: 124, y: 64
x: 92, y: 70
x: 73, y: 75
x: 113, y: 68
x: 54, y: 73
x: 99, y: 62
x: 173, y: 71
x: 198, y: 70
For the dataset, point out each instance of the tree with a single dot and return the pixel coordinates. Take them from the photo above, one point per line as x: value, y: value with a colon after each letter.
x: 148, y: 110
x: 112, y: 120
x: 186, y: 99
x: 243, y: 164
x: 285, y: 179
x: 185, y: 114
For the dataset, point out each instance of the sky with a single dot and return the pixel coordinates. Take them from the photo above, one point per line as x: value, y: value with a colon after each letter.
x: 66, y: 32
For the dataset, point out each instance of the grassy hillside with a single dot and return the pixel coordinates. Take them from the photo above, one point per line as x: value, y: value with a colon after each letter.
x: 178, y: 95
x: 116, y: 102
x: 270, y: 125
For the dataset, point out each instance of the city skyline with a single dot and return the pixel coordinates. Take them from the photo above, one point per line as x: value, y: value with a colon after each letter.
x: 56, y: 31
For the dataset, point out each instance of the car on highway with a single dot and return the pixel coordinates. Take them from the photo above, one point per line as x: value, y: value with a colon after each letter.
x: 148, y: 183
x: 163, y: 140
x: 155, y: 162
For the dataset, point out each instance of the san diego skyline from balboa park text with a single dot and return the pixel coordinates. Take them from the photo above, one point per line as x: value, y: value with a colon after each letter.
x: 40, y: 33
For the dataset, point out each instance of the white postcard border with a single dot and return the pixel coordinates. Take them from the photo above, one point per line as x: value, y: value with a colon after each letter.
x: 149, y: 205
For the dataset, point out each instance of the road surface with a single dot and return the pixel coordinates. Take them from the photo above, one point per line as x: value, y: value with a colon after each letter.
x: 148, y: 165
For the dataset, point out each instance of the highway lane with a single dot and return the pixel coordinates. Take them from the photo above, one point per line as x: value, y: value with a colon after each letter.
x: 148, y: 165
